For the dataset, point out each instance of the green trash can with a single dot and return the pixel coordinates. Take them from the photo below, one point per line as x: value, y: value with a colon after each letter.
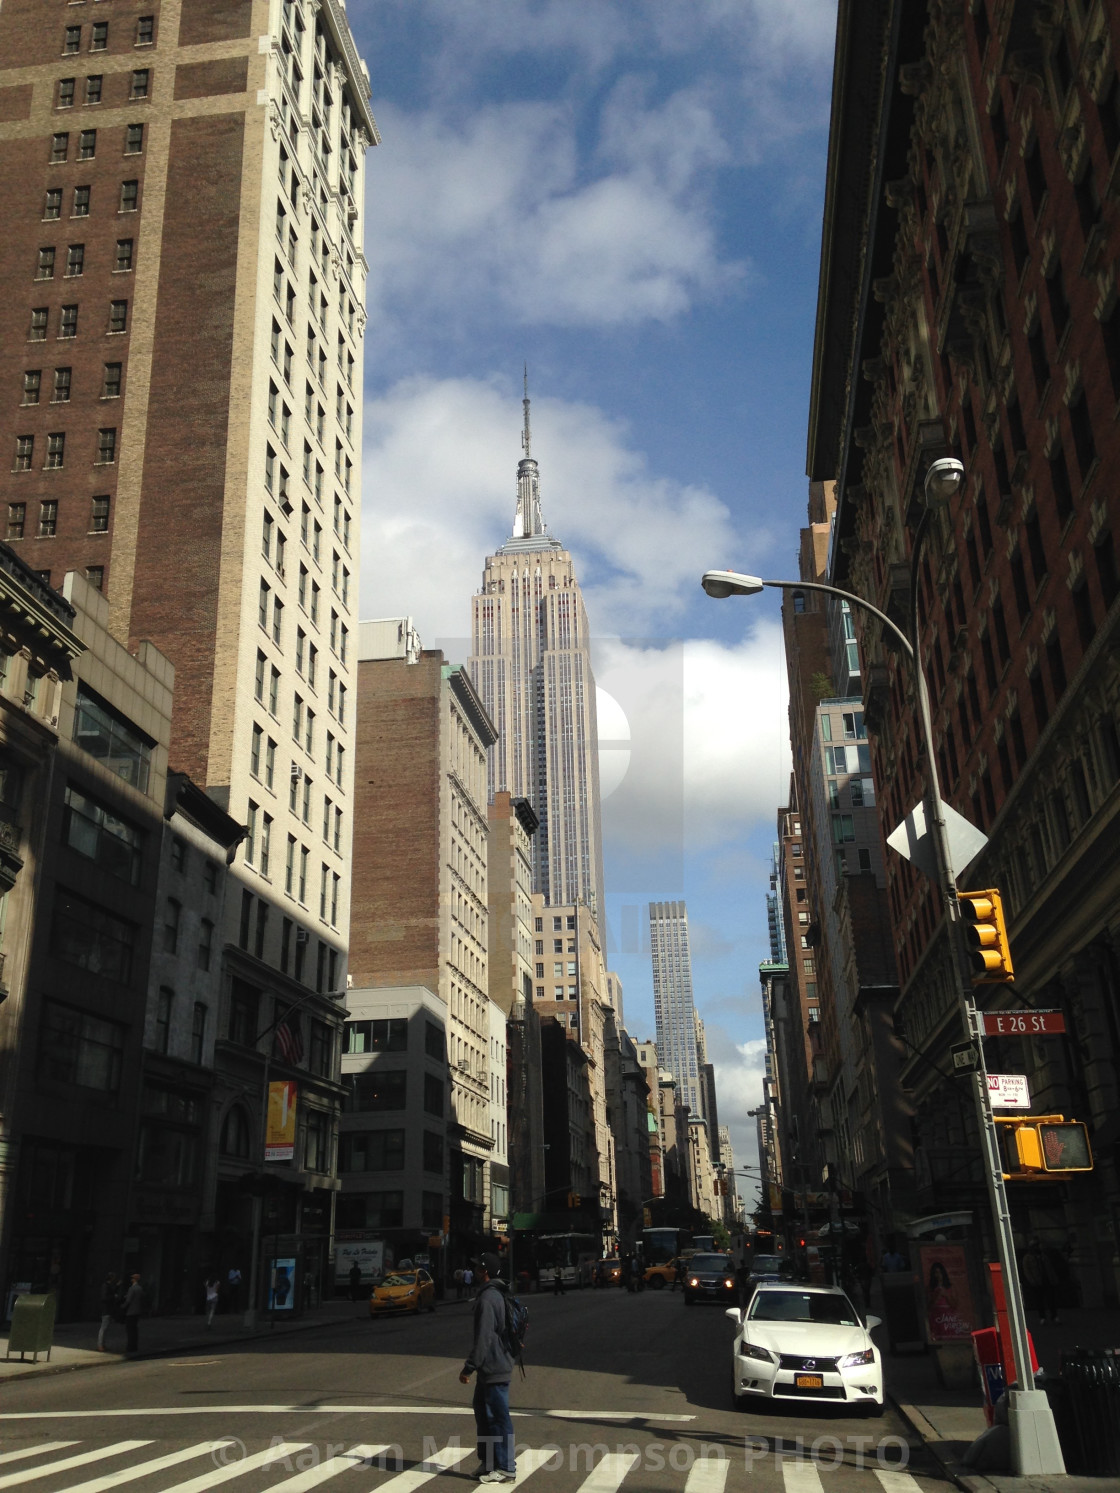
x: 32, y: 1326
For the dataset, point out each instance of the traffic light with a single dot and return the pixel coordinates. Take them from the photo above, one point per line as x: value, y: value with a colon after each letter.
x: 986, y: 936
x: 1044, y: 1145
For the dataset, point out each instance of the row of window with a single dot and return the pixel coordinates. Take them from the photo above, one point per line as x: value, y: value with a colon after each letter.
x: 62, y: 384
x: 384, y: 1151
x: 390, y: 1034
x: 262, y: 764
x: 380, y: 1089
x: 68, y: 322
x: 81, y: 201
x: 47, y: 259
x: 144, y: 35
x: 385, y: 1210
x: 48, y: 519
x: 294, y: 943
x: 55, y: 455
x: 86, y: 149
x: 139, y: 88
x: 297, y: 865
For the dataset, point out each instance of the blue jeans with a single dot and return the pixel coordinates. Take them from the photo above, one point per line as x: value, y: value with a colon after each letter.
x: 493, y: 1426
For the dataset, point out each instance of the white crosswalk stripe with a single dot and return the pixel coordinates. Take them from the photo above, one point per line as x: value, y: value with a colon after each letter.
x: 709, y: 1475
x: 530, y: 1461
x: 98, y: 1454
x: 608, y: 1475
x: 416, y: 1477
x: 35, y: 1451
x: 897, y: 1482
x: 141, y: 1469
x: 214, y: 1475
x: 801, y: 1477
x: 313, y: 1476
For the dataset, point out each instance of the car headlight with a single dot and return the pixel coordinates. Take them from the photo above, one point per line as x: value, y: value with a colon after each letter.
x: 729, y: 1283
x: 694, y: 1281
x: 752, y: 1350
x: 853, y: 1360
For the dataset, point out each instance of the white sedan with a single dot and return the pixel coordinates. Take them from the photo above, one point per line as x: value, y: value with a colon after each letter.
x: 805, y: 1343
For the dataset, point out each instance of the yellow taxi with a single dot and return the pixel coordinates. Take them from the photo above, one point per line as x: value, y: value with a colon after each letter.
x: 660, y: 1276
x: 403, y: 1291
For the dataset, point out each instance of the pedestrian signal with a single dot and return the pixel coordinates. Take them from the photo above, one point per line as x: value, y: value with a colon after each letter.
x: 1045, y: 1145
x: 985, y: 934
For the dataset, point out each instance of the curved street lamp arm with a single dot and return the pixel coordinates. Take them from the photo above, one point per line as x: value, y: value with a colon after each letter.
x: 856, y: 601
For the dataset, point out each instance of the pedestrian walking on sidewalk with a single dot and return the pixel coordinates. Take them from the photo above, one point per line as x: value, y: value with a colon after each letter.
x: 133, y: 1307
x: 355, y: 1282
x: 492, y: 1362
x: 213, y: 1291
x: 468, y: 1283
x: 458, y: 1279
x: 233, y: 1281
x: 557, y: 1282
x: 110, y: 1306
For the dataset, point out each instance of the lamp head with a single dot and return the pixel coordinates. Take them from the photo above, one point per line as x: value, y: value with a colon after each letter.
x: 943, y: 481
x: 723, y: 583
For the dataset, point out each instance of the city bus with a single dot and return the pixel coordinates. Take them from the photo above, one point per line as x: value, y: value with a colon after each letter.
x: 659, y: 1246
x: 575, y: 1254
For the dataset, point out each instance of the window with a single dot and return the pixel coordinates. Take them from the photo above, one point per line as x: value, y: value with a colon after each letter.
x: 87, y: 145
x: 124, y: 254
x: 111, y: 383
x: 371, y: 1151
x: 52, y: 209
x: 258, y: 677
x: 95, y: 575
x: 93, y: 88
x: 65, y: 93
x: 44, y: 264
x: 386, y: 1034
x: 378, y: 1090
x: 118, y: 316
x: 205, y: 943
x: 106, y: 446
x: 171, y: 916
x: 17, y: 517
x: 113, y: 740
x: 133, y: 139
x: 99, y: 38
x: 56, y: 451
x: 48, y: 519
x: 99, y: 833
x: 130, y: 191
x: 141, y: 79
x: 433, y: 1152
x: 81, y: 203
x: 321, y: 1049
x: 68, y: 322
x: 72, y: 40
x: 32, y: 383
x: 317, y: 1142
x: 81, y: 1049
x: 145, y: 31
x: 75, y: 260
x: 87, y: 936
x: 235, y: 1133
x: 198, y: 1032
x: 60, y: 146
x: 163, y: 1018
x: 433, y: 1041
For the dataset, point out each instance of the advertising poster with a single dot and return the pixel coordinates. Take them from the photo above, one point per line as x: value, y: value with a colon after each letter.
x: 367, y: 1254
x: 948, y: 1296
x: 280, y: 1136
x: 282, y: 1285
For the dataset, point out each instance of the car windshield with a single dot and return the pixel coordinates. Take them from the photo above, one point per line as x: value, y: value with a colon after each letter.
x: 766, y: 1264
x: 717, y: 1264
x: 802, y: 1306
x: 399, y: 1280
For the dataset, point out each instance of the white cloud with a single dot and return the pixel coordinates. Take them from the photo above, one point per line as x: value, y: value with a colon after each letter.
x: 439, y: 492
x: 491, y: 213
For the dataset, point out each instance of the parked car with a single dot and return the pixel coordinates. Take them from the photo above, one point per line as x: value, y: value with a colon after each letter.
x: 709, y: 1278
x: 808, y: 1343
x: 403, y: 1291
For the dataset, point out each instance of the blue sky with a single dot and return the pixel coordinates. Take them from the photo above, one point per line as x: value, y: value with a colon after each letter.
x: 628, y: 197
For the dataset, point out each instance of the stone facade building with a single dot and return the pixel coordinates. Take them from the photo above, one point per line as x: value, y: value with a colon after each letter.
x: 969, y: 307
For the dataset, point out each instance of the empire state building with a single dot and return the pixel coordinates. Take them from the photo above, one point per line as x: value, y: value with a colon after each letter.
x: 531, y: 664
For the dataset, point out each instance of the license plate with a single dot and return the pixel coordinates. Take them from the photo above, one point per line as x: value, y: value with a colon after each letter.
x: 809, y: 1381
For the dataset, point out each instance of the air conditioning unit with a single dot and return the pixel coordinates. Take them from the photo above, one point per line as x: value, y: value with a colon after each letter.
x: 302, y: 935
x: 297, y: 772
x: 464, y: 1065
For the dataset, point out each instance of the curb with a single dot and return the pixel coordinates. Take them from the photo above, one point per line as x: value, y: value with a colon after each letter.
x: 969, y: 1482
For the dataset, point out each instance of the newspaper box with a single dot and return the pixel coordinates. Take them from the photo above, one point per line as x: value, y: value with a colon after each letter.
x: 993, y: 1371
x: 32, y: 1326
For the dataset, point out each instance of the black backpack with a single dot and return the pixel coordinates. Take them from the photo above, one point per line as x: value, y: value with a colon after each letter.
x: 516, y: 1329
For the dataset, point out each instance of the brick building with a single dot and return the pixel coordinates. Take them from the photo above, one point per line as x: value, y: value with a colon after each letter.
x: 968, y: 306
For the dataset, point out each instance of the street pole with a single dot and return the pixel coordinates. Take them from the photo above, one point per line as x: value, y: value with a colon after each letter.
x: 1034, y: 1438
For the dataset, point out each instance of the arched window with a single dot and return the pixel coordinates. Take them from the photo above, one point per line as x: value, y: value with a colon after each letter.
x: 235, y: 1133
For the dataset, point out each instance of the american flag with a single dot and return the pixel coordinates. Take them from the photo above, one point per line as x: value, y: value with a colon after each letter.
x: 289, y: 1040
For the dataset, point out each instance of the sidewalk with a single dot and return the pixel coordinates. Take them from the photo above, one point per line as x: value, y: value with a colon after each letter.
x: 75, y: 1343
x: 949, y: 1420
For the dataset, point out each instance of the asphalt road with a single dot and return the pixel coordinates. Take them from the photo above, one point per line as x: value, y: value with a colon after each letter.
x: 622, y: 1392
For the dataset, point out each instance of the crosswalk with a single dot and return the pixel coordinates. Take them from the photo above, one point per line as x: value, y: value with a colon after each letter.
x: 295, y: 1467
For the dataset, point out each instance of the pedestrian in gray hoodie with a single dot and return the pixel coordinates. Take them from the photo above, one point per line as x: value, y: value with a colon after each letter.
x: 492, y: 1362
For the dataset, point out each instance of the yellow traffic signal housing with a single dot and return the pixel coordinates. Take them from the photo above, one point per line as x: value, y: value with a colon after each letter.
x: 1044, y: 1145
x: 986, y: 936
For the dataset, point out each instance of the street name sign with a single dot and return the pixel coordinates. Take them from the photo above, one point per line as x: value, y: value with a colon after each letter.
x: 1024, y: 1023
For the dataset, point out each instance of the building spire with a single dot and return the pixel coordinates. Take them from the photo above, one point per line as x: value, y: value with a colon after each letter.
x: 527, y: 521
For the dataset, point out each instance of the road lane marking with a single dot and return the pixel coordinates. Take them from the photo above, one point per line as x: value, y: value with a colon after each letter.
x: 801, y: 1477
x: 898, y: 1482
x: 632, y: 1415
x: 267, y: 1458
x: 302, y: 1481
x: 17, y: 1479
x: 416, y: 1477
x: 709, y: 1475
x: 242, y: 1410
x: 529, y: 1461
x: 141, y: 1469
x: 608, y: 1475
x: 35, y: 1451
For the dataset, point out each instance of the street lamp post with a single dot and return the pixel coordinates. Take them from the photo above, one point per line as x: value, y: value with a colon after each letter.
x: 1034, y: 1439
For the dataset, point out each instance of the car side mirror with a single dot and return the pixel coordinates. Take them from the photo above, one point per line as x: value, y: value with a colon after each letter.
x: 732, y: 1313
x: 873, y: 1322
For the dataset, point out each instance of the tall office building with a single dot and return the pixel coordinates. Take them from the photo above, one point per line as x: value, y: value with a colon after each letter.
x: 672, y: 999
x: 180, y: 395
x: 531, y: 664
